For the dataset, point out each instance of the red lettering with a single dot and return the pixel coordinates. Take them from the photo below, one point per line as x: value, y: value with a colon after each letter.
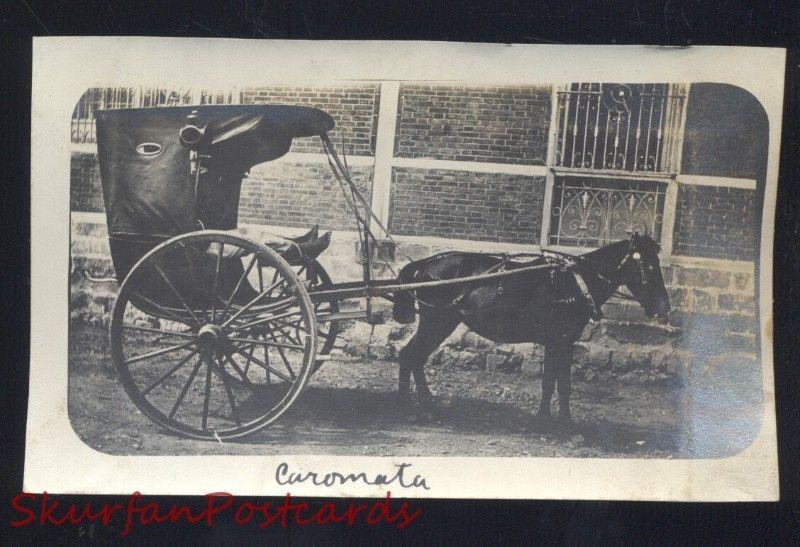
x: 46, y: 515
x: 237, y: 517
x: 321, y: 518
x: 178, y: 511
x: 385, y: 513
x: 284, y: 509
x: 212, y: 510
x: 408, y: 519
x: 302, y: 506
x: 129, y: 512
x: 15, y: 504
x: 353, y: 511
x: 269, y: 519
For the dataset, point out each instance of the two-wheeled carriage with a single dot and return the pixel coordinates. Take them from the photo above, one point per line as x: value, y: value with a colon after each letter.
x: 214, y: 334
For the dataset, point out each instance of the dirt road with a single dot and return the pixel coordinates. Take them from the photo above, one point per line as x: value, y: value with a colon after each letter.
x: 350, y: 408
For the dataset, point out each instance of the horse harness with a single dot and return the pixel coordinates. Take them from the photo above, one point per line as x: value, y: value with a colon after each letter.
x: 567, y: 264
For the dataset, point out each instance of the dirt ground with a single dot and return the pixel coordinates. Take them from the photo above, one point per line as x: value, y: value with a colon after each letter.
x: 350, y: 408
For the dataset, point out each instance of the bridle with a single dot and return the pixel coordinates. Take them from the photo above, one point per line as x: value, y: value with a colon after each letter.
x: 618, y: 273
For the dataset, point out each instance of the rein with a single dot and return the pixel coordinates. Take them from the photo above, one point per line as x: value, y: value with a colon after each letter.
x: 616, y: 293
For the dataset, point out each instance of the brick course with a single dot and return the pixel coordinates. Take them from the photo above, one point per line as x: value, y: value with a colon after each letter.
x: 294, y: 194
x: 716, y: 222
x: 463, y: 204
x: 354, y: 108
x: 85, y: 192
x: 490, y: 124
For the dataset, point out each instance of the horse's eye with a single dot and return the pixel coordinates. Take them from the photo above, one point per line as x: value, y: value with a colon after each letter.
x: 636, y: 256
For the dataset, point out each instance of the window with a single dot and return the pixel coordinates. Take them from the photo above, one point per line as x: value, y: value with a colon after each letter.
x: 83, y: 126
x: 615, y: 148
x: 591, y: 212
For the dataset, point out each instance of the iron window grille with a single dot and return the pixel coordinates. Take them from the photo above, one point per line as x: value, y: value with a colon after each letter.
x: 96, y: 98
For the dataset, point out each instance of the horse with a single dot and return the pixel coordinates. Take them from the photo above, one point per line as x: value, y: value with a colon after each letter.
x: 549, y: 306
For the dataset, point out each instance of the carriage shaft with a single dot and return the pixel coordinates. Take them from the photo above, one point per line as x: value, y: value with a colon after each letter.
x: 382, y: 287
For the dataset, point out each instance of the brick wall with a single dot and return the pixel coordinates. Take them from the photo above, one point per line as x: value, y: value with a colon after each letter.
x: 491, y: 124
x: 299, y: 194
x: 716, y: 222
x: 85, y: 192
x: 463, y: 204
x: 354, y: 108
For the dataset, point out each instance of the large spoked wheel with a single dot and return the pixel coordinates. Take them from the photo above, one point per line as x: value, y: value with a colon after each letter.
x: 201, y: 310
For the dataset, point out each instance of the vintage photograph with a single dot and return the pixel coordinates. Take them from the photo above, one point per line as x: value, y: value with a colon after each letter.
x: 494, y: 267
x: 413, y: 268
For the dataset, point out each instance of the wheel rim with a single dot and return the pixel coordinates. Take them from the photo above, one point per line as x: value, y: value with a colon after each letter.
x: 200, y: 310
x: 317, y: 278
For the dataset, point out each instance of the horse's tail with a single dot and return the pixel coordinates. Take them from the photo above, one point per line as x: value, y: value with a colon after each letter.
x: 403, y: 311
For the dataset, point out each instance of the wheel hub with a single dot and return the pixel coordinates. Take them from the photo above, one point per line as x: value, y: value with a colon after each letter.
x: 210, y: 336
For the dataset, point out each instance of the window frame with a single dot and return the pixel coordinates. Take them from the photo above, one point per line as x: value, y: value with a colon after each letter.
x: 670, y: 178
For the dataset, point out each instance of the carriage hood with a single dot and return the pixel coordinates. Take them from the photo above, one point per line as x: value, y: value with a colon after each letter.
x: 146, y: 169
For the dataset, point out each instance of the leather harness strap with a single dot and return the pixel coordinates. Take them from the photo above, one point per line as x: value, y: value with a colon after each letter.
x: 597, y: 314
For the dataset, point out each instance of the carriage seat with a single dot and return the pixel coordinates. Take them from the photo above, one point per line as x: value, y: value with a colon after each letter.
x: 307, y: 246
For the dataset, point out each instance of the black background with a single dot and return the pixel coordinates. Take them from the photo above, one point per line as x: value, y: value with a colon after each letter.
x: 670, y: 22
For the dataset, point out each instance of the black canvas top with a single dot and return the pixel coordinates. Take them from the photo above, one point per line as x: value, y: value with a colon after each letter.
x: 146, y: 173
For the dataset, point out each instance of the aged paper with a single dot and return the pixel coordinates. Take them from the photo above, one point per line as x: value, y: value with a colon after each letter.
x: 546, y: 153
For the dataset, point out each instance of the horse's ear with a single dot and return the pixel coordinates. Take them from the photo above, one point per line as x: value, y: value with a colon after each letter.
x: 646, y: 231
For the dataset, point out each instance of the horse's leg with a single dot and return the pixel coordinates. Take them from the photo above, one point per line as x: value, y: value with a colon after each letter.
x: 563, y: 382
x: 549, y: 367
x: 432, y: 331
x: 404, y: 387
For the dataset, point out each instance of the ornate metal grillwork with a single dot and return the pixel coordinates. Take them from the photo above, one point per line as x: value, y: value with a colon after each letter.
x: 590, y: 212
x: 619, y: 127
x: 83, y: 126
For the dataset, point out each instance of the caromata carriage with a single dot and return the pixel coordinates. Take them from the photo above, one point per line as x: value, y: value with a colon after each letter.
x: 213, y: 334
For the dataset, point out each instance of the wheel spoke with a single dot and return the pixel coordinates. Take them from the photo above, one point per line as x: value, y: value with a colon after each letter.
x: 280, y: 347
x: 175, y: 291
x: 193, y: 273
x: 236, y: 289
x: 262, y: 321
x: 207, y: 395
x: 252, y: 303
x: 292, y: 324
x: 274, y: 344
x: 169, y: 373
x: 161, y: 308
x: 249, y: 358
x: 158, y: 352
x: 159, y: 331
x: 185, y: 388
x: 267, y: 361
x: 275, y: 307
x: 220, y: 247
x: 241, y: 373
x: 246, y: 330
x: 266, y: 367
x: 228, y: 392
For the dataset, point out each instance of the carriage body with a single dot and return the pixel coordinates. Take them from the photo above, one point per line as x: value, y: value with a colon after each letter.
x: 191, y: 288
x: 157, y: 185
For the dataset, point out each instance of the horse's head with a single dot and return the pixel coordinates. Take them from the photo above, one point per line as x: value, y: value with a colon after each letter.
x: 641, y: 273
